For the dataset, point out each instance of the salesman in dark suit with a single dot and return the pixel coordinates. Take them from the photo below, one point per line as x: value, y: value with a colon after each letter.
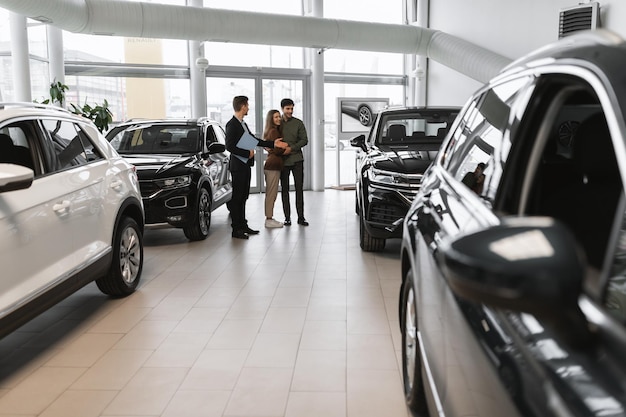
x: 240, y: 170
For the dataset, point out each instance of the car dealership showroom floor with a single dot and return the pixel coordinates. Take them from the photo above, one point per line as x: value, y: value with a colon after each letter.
x: 295, y: 321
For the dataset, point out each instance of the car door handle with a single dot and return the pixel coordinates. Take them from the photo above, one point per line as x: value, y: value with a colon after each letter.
x: 62, y: 208
x: 116, y: 185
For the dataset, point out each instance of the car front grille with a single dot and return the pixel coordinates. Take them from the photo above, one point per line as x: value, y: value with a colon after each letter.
x: 148, y: 188
x: 385, y: 214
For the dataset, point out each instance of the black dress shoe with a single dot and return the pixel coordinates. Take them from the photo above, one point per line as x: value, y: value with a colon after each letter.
x: 251, y: 231
x: 287, y: 222
x: 239, y: 234
x: 303, y: 222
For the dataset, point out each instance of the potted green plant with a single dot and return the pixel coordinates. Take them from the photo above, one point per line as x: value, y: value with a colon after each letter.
x: 99, y: 114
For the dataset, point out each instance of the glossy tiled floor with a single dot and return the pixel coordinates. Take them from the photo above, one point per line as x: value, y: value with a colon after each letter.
x: 294, y: 322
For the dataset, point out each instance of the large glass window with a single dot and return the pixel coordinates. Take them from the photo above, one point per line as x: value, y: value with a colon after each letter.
x: 247, y: 55
x: 132, y: 97
x: 361, y: 62
x: 364, y: 10
x: 114, y: 49
x: 244, y: 55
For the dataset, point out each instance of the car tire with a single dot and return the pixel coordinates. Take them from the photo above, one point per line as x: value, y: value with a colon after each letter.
x: 369, y: 243
x: 365, y: 116
x: 199, y: 228
x: 127, y: 263
x: 413, y: 382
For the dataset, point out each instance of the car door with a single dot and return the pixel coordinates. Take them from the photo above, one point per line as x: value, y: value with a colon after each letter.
x: 40, y: 222
x: 218, y: 165
x: 93, y: 186
x: 577, y: 180
x: 458, y: 342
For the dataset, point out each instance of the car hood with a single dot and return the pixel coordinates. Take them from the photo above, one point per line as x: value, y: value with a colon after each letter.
x: 401, y: 159
x: 151, y: 166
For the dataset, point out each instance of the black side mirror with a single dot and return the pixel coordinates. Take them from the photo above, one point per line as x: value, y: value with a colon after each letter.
x: 525, y: 264
x: 358, y: 142
x: 530, y: 264
x: 216, y: 147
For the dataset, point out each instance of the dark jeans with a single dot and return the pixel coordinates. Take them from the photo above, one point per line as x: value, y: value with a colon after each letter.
x: 298, y: 178
x: 237, y: 205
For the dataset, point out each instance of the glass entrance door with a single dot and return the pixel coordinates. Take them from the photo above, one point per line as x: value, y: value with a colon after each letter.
x: 264, y: 93
x: 274, y: 90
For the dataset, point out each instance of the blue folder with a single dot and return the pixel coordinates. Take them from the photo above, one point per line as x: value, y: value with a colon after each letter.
x: 247, y: 142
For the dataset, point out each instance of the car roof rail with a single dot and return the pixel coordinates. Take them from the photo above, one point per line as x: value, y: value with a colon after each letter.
x: 27, y: 104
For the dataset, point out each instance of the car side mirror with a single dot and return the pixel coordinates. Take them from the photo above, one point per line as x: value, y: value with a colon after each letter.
x: 529, y: 264
x: 359, y: 142
x: 216, y: 147
x: 526, y: 264
x: 15, y: 177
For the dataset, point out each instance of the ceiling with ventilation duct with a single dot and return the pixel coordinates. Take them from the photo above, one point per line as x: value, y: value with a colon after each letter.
x: 153, y: 20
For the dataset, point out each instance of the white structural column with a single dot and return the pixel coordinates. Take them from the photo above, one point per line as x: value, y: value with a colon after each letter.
x: 197, y: 73
x: 19, y: 58
x: 56, y: 68
x: 419, y: 74
x: 316, y: 134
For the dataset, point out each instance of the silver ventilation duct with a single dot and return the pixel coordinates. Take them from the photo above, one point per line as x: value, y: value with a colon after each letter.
x: 153, y: 20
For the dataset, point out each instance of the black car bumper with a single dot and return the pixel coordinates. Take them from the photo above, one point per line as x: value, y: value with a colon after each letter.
x: 175, y: 206
x: 385, y: 211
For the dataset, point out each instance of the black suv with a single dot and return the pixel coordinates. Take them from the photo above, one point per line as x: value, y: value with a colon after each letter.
x: 401, y: 144
x: 513, y: 301
x: 182, y: 167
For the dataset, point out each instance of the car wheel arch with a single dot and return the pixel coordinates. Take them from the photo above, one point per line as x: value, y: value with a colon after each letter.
x: 131, y: 207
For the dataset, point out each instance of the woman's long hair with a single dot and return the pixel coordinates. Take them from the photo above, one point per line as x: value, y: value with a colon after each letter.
x: 269, y: 124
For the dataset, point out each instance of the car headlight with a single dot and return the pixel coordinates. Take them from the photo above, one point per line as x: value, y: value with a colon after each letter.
x: 382, y: 177
x: 393, y: 179
x: 174, y: 182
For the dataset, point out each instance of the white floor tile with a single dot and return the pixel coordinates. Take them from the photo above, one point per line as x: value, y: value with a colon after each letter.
x: 294, y: 322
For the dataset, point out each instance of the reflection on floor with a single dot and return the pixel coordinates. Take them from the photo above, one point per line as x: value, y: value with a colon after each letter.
x: 294, y: 322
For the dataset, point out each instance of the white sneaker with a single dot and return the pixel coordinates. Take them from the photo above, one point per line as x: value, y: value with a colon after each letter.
x: 272, y: 223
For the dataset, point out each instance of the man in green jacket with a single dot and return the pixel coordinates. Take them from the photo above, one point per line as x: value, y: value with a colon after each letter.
x: 294, y: 134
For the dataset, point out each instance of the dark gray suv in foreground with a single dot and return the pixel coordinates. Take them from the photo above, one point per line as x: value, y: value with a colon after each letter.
x: 513, y: 301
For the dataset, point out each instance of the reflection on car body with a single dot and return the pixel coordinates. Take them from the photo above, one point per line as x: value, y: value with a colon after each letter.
x: 512, y: 299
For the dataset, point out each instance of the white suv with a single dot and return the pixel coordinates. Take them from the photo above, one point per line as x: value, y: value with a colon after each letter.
x: 70, y: 212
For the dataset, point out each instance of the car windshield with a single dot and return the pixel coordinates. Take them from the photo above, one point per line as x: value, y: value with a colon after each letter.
x: 153, y: 139
x: 404, y: 129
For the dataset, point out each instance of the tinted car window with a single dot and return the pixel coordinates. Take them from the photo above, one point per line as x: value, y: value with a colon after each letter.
x: 219, y: 134
x: 71, y: 145
x: 161, y: 139
x: 14, y: 146
x: 210, y: 135
x: 479, y: 136
x: 406, y: 129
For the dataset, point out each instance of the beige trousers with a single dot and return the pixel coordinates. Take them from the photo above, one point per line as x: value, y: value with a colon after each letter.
x: 271, y: 191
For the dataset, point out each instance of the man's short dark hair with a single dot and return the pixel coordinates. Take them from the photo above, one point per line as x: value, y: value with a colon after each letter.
x: 286, y: 102
x: 239, y: 101
x: 481, y: 166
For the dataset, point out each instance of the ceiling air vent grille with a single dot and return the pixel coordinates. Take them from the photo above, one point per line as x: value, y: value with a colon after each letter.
x: 577, y: 18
